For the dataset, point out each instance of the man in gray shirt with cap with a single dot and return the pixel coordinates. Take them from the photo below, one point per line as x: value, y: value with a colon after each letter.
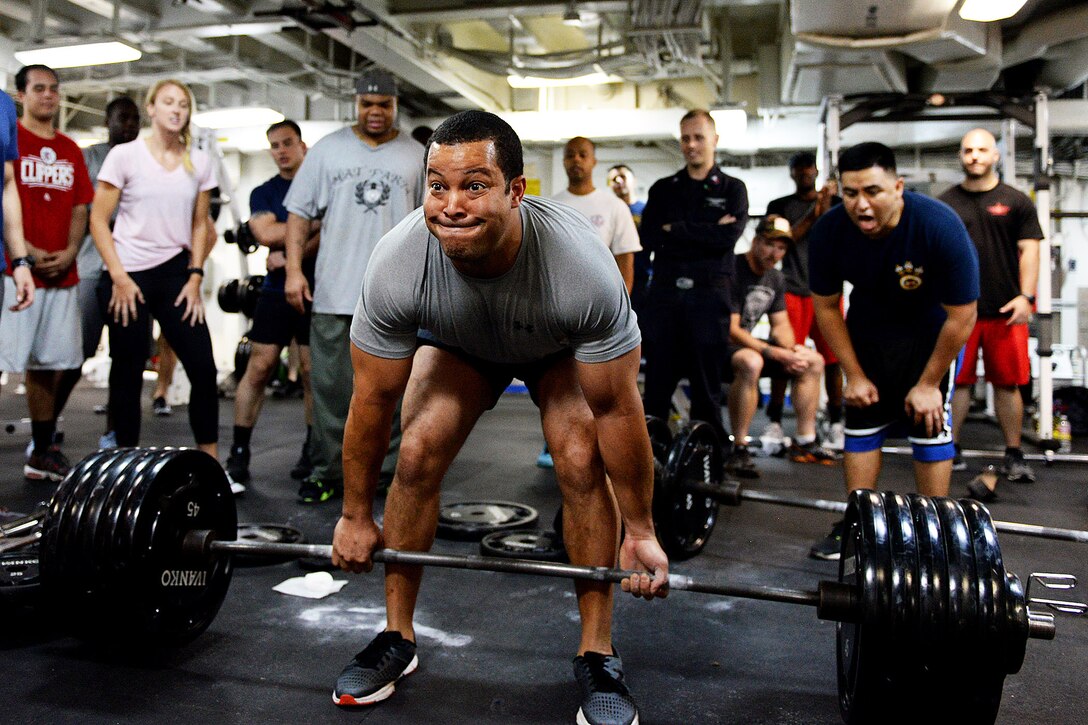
x: 360, y: 182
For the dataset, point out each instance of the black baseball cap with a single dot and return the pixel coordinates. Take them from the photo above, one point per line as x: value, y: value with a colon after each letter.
x: 378, y: 82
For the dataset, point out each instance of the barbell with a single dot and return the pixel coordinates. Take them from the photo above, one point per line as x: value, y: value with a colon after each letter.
x: 689, y: 484
x: 137, y: 545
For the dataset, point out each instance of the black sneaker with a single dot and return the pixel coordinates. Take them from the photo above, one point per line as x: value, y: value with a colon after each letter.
x: 371, y: 676
x: 159, y: 406
x: 238, y: 464
x: 605, y: 697
x: 740, y: 463
x: 829, y: 548
x: 303, y: 467
x: 1017, y: 469
x: 314, y: 490
x: 958, y: 464
x: 48, y: 466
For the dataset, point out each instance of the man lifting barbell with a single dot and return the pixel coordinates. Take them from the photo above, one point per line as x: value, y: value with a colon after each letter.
x: 481, y: 285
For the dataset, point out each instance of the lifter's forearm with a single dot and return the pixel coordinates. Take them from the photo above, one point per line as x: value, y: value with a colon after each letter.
x: 951, y: 339
x: 628, y: 461
x: 366, y: 440
x: 833, y: 328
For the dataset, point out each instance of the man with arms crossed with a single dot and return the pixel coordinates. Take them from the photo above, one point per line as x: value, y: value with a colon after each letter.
x: 481, y: 285
x: 1004, y: 226
x: 915, y: 277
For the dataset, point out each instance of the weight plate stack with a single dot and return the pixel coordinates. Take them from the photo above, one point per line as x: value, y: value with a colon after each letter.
x: 472, y: 520
x: 533, y: 544
x: 111, y: 545
x: 684, y: 519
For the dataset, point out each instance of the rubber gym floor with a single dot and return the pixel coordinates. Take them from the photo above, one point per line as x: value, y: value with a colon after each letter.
x: 497, y: 648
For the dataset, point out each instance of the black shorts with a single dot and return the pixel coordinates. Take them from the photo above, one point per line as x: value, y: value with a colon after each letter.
x: 277, y: 323
x: 894, y: 367
x: 499, y: 375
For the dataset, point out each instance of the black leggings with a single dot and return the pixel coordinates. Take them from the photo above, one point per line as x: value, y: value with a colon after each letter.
x: 160, y: 285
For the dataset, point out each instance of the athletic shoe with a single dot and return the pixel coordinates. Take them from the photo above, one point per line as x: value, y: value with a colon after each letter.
x: 58, y: 438
x: 1017, y: 469
x: 313, y: 490
x: 836, y: 437
x: 958, y: 464
x: 235, y: 487
x: 544, y: 460
x: 812, y: 453
x: 238, y: 464
x: 108, y: 440
x: 982, y: 487
x: 605, y: 697
x: 159, y: 406
x: 740, y: 463
x: 371, y: 677
x: 48, y: 466
x: 829, y: 548
x: 303, y: 467
x: 773, y: 433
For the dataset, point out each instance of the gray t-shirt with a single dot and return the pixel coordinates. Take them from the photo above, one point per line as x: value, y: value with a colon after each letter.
x: 563, y: 292
x: 359, y: 192
x: 88, y: 260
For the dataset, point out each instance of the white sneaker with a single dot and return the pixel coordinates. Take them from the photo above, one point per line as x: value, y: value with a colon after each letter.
x: 236, y: 488
x: 836, y: 437
x: 773, y: 433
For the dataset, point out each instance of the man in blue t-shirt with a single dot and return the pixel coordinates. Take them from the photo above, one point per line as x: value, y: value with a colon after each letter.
x: 11, y: 211
x: 915, y: 282
x: 275, y: 323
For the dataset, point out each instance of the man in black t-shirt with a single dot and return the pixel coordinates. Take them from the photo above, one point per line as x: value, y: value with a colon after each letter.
x: 1004, y: 226
x: 758, y: 290
x: 802, y: 208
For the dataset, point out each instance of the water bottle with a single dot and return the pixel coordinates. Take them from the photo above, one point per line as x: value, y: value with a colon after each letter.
x: 1063, y: 434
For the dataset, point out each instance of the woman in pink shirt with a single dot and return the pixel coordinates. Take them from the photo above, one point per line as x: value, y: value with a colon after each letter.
x: 160, y: 187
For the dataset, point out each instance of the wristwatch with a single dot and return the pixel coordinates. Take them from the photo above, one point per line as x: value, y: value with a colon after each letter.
x: 27, y: 261
x: 1029, y: 298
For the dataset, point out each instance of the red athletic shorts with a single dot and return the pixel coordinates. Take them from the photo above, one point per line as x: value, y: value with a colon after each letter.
x: 803, y: 321
x: 1004, y: 354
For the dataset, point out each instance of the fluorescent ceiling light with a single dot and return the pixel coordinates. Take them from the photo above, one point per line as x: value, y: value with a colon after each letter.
x: 237, y: 117
x: 986, y: 11
x: 589, y: 79
x: 75, y: 56
x: 730, y: 124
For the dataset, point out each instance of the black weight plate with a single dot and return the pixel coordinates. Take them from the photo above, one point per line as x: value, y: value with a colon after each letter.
x: 229, y: 296
x: 19, y: 577
x: 173, y: 596
x: 267, y: 534
x: 93, y: 519
x: 904, y: 567
x: 113, y: 513
x: 685, y: 520
x: 1016, y: 636
x: 472, y: 520
x: 987, y: 557
x: 660, y: 437
x: 534, y: 544
x: 862, y: 652
x: 960, y: 557
x: 932, y: 588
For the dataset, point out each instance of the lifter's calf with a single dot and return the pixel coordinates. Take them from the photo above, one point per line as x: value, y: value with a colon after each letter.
x: 590, y: 530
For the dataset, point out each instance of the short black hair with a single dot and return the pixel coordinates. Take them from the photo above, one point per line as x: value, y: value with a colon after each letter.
x: 21, y: 76
x: 470, y: 126
x: 802, y: 160
x: 865, y: 156
x: 116, y: 104
x: 285, y: 123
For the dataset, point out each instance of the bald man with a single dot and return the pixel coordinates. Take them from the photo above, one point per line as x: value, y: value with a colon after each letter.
x: 1004, y: 226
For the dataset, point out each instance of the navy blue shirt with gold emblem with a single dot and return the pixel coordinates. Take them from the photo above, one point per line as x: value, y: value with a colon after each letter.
x: 899, y: 282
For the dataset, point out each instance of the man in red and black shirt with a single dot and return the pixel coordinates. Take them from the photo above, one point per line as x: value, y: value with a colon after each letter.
x: 1004, y: 226
x: 54, y: 190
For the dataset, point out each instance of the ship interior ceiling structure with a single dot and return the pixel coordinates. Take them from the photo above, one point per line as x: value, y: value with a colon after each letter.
x: 114, y: 599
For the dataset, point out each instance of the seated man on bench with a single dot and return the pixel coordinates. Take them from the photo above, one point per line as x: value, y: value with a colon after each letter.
x: 759, y: 289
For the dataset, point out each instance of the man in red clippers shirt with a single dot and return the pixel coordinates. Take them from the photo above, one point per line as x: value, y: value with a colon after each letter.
x: 54, y: 190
